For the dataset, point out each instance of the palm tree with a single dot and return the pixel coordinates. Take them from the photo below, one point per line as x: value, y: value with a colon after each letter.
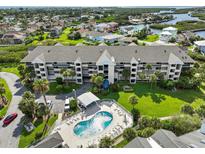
x: 41, y: 86
x: 2, y: 92
x: 93, y: 77
x: 126, y: 73
x: 28, y: 95
x: 133, y: 100
x: 153, y: 79
x: 148, y: 67
x: 105, y: 142
x: 141, y: 75
x: 99, y: 80
x: 28, y: 107
x: 67, y: 73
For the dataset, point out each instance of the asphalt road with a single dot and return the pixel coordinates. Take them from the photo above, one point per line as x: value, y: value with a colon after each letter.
x: 9, y: 135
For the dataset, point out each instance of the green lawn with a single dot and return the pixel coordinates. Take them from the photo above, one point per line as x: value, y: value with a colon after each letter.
x: 28, y: 138
x: 10, y: 67
x: 8, y: 96
x: 151, y: 38
x: 158, y: 102
x: 63, y: 39
x: 66, y: 89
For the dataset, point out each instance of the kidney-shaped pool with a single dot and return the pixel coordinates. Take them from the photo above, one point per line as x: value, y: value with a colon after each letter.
x: 95, y: 125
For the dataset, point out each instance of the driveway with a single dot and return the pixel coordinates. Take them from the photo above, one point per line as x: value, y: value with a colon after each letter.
x: 9, y: 136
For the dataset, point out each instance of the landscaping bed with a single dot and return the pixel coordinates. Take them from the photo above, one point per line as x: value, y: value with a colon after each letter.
x: 8, y: 95
x: 54, y: 88
x: 27, y: 139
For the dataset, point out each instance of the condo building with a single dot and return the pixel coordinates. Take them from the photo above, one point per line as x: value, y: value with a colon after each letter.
x: 47, y: 61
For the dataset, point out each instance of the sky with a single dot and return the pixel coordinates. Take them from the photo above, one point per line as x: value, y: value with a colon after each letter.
x: 102, y: 3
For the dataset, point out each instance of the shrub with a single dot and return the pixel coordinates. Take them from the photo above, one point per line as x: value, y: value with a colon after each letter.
x: 105, y: 142
x: 129, y: 134
x: 182, y: 124
x: 59, y: 80
x: 115, y: 87
x: 187, y: 109
x: 135, y: 115
x: 147, y: 132
x: 167, y: 84
x: 146, y: 121
x: 201, y: 111
x: 59, y: 87
x: 73, y: 105
x: 38, y: 135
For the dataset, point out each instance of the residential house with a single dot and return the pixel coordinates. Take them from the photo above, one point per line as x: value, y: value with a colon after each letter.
x: 200, y: 45
x: 168, y: 33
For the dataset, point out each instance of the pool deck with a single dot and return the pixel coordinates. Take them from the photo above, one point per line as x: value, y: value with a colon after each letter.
x: 116, y: 127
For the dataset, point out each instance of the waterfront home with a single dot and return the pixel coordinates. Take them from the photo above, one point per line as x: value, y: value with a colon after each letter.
x: 106, y: 27
x: 94, y: 36
x: 200, y: 45
x: 112, y: 38
x: 168, y: 33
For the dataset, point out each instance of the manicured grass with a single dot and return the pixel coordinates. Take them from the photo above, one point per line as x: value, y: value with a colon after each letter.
x: 158, y: 102
x: 28, y: 138
x: 63, y: 39
x: 66, y: 89
x: 13, y: 70
x: 151, y: 38
x: 8, y: 96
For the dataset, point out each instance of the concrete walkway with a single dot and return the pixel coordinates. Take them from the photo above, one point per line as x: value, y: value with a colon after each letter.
x: 9, y: 136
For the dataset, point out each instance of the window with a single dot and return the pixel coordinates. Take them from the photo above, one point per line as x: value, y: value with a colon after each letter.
x: 177, y: 73
x: 42, y: 69
x: 172, y: 70
x: 132, y: 75
x: 133, y: 70
x: 132, y: 81
x: 134, y: 64
x: 78, y: 69
x: 178, y: 67
x: 77, y: 64
x: 79, y: 75
x: 100, y: 68
x: 79, y: 80
x: 173, y: 65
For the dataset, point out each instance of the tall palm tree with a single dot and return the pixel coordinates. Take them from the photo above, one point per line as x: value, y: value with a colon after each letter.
x: 133, y: 100
x: 41, y: 86
x: 148, y: 67
x: 67, y: 73
x: 93, y: 77
x: 153, y: 79
x: 126, y: 73
x: 141, y: 75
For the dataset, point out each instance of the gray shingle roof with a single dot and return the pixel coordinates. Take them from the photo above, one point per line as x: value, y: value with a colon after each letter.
x: 148, y: 54
x: 50, y: 142
x: 195, y: 138
x: 167, y: 139
x: 138, y: 142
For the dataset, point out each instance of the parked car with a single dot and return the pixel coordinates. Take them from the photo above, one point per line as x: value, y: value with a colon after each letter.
x: 67, y: 104
x: 10, y: 118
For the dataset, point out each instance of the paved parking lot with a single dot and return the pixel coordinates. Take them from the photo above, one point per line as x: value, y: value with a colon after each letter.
x: 59, y: 100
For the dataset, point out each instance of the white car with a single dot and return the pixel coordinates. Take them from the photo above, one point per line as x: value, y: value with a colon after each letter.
x: 67, y: 103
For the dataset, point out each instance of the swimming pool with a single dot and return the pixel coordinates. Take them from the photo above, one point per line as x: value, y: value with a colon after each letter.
x: 93, y: 126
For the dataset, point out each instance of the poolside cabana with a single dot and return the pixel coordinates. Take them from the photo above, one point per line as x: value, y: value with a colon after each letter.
x: 87, y: 99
